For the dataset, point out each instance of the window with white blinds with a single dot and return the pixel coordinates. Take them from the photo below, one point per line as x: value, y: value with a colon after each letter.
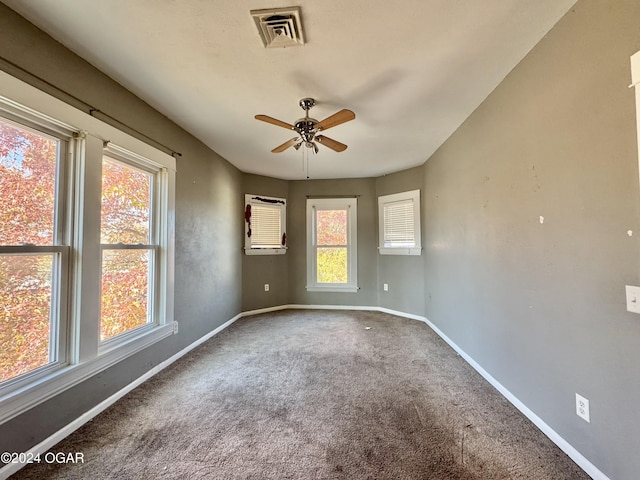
x: 265, y: 219
x: 399, y: 220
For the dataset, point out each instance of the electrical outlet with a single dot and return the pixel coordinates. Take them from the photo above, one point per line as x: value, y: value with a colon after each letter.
x: 385, y: 287
x: 175, y: 327
x: 266, y: 287
x: 582, y: 408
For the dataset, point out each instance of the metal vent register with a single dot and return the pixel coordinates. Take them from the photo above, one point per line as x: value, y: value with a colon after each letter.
x: 279, y: 27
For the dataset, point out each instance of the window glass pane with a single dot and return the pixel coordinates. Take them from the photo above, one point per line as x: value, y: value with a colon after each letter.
x: 125, y: 291
x: 126, y: 204
x: 27, y: 186
x: 331, y: 227
x: 265, y: 226
x: 331, y: 265
x: 25, y: 313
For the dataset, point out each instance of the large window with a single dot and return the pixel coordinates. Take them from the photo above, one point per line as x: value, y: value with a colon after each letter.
x: 86, y: 246
x: 33, y: 248
x: 129, y: 243
x: 265, y: 225
x: 399, y: 223
x: 332, y: 244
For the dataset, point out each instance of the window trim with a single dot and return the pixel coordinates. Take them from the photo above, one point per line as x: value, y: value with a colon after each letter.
x: 84, y: 356
x: 351, y: 205
x: 414, y: 196
x: 250, y: 199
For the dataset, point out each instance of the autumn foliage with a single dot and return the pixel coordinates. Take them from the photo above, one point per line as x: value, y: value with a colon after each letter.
x: 27, y: 196
x: 126, y: 207
x: 28, y: 173
x: 331, y: 239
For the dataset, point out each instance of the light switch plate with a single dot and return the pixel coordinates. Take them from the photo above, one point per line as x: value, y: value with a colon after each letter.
x: 633, y: 298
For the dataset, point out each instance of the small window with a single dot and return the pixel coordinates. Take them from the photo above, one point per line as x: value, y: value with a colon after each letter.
x: 332, y: 245
x: 265, y: 220
x: 399, y: 223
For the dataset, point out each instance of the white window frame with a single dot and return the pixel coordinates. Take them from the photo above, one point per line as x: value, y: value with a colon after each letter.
x: 59, y: 249
x: 385, y: 248
x: 351, y: 205
x: 635, y: 82
x: 157, y: 313
x: 279, y: 204
x: 84, y: 355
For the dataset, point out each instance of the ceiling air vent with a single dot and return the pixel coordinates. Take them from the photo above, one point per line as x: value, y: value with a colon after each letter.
x: 279, y: 27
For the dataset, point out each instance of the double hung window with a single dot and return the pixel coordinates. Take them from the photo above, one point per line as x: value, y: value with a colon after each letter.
x: 332, y: 244
x: 34, y: 246
x: 86, y: 246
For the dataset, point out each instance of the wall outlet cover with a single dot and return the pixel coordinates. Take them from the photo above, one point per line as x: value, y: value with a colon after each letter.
x: 582, y: 408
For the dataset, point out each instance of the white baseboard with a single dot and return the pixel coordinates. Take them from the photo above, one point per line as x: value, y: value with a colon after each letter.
x: 49, y: 442
x: 68, y: 429
x: 589, y: 468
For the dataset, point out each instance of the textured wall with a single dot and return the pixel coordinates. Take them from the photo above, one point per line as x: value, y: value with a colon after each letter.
x: 364, y: 188
x: 403, y: 273
x: 208, y: 265
x: 260, y: 269
x: 542, y: 306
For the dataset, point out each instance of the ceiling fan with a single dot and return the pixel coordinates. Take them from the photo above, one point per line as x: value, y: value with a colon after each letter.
x: 308, y: 129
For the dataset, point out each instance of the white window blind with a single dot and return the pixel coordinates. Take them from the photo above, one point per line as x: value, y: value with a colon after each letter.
x: 266, y: 226
x: 399, y: 223
x: 399, y: 228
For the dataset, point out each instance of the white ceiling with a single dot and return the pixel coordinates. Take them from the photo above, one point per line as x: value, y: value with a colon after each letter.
x: 411, y: 70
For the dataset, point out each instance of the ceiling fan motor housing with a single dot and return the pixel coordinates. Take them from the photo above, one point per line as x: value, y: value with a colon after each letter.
x: 305, y: 127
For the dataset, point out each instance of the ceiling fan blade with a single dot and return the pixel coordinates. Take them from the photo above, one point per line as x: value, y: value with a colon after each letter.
x: 331, y: 143
x: 285, y: 145
x: 274, y: 121
x: 342, y: 116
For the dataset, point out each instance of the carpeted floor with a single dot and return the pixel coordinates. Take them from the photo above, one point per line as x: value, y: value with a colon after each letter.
x: 314, y: 395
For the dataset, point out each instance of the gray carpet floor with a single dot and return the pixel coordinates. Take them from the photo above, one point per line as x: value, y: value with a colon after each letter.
x: 314, y: 395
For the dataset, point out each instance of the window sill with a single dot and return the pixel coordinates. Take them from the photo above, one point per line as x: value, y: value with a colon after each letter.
x: 27, y: 396
x: 332, y: 288
x: 399, y: 251
x: 265, y: 251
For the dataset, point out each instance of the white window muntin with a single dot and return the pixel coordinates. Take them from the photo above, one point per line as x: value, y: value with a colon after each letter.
x: 351, y: 206
x: 399, y: 223
x: 265, y: 226
x: 83, y: 159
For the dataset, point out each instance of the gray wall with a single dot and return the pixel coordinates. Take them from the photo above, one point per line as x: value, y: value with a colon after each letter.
x: 542, y: 306
x: 404, y: 274
x: 208, y: 261
x: 364, y: 188
x: 260, y: 269
x: 539, y: 306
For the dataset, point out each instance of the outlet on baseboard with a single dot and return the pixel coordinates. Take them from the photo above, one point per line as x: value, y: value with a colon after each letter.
x: 582, y: 408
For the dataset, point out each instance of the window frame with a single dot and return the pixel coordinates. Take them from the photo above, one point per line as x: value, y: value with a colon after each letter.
x: 85, y: 356
x: 384, y: 200
x: 157, y: 240
x: 350, y: 204
x: 59, y: 249
x: 263, y: 200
